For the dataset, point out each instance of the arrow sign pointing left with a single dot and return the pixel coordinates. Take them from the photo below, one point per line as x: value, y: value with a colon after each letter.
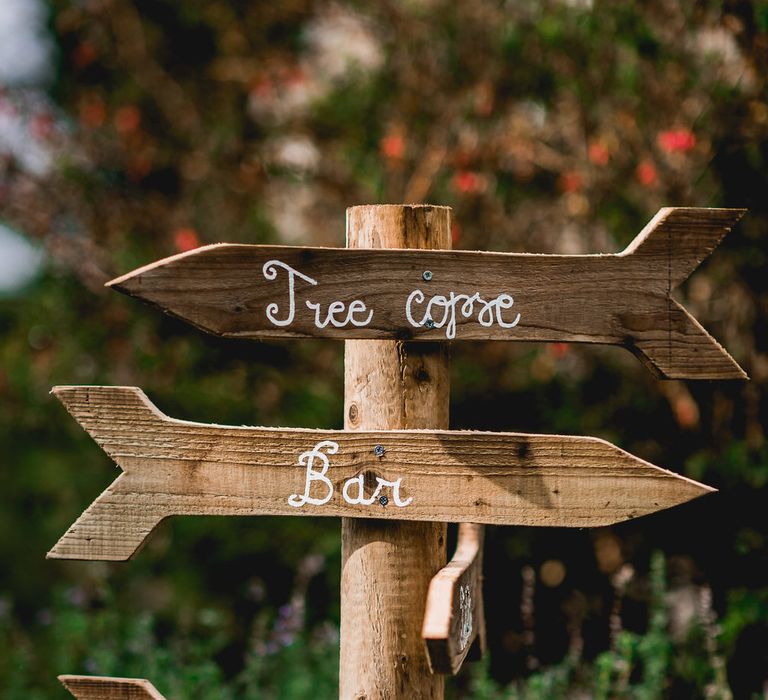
x: 174, y: 467
x: 249, y: 291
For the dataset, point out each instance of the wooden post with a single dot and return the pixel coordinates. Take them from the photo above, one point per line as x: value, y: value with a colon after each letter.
x: 387, y: 566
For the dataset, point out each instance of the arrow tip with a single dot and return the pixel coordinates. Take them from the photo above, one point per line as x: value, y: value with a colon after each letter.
x: 684, y: 349
x: 680, y: 238
x: 131, y: 281
x: 186, y: 286
x: 666, y: 337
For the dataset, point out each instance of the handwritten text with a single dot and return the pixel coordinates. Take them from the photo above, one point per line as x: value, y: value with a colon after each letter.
x: 421, y: 311
x: 318, y: 488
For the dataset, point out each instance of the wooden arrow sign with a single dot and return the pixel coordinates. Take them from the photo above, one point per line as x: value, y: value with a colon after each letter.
x: 624, y: 299
x: 105, y: 688
x: 454, y: 620
x: 174, y: 467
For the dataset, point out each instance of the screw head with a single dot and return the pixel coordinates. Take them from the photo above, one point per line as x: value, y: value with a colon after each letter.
x: 383, y: 500
x: 427, y: 275
x: 429, y: 324
x: 379, y: 450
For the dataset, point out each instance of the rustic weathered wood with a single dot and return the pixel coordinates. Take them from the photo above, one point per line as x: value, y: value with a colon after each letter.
x: 454, y: 621
x: 175, y: 467
x: 619, y: 299
x: 386, y: 565
x: 105, y: 688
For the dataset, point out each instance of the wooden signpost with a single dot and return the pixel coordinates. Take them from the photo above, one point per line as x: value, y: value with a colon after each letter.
x: 395, y: 474
x: 104, y: 688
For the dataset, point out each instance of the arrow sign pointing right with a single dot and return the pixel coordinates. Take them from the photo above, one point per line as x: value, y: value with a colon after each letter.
x: 249, y: 291
x: 174, y: 467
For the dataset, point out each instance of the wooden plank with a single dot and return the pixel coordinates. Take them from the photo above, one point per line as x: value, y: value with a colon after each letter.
x: 174, y: 467
x: 454, y: 621
x: 106, y: 688
x: 387, y: 565
x: 620, y: 299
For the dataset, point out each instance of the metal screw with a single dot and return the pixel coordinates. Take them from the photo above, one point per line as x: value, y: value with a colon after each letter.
x: 383, y: 500
x: 429, y: 324
x: 427, y: 275
x: 379, y: 450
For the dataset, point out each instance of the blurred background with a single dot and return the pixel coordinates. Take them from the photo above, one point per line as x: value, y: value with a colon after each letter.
x: 132, y: 130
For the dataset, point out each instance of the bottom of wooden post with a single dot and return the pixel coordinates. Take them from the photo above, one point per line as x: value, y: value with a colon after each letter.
x: 387, y: 567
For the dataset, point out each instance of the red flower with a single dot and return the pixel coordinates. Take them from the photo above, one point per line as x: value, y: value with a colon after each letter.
x: 139, y: 167
x: 127, y: 120
x: 570, y: 181
x: 598, y: 153
x: 93, y: 112
x: 681, y: 140
x: 558, y: 350
x: 262, y: 88
x: 185, y: 239
x: 646, y: 173
x: 83, y: 55
x: 468, y: 182
x: 295, y: 76
x: 392, y: 146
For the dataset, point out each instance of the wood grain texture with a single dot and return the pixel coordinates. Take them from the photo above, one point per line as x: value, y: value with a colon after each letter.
x: 454, y: 621
x: 105, y: 688
x: 387, y: 565
x: 619, y: 299
x: 174, y: 467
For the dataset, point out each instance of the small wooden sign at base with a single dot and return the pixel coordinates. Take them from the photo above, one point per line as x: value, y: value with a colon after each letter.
x: 106, y: 688
x: 454, y: 622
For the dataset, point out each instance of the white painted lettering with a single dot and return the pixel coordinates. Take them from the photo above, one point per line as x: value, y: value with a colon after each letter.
x: 360, y: 499
x: 308, y: 459
x: 358, y: 306
x: 270, y: 272
x: 444, y: 311
x: 354, y: 498
x: 380, y: 485
x: 335, y: 313
x: 438, y: 311
x: 465, y: 605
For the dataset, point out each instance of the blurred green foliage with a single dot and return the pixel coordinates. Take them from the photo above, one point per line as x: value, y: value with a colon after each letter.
x: 548, y: 127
